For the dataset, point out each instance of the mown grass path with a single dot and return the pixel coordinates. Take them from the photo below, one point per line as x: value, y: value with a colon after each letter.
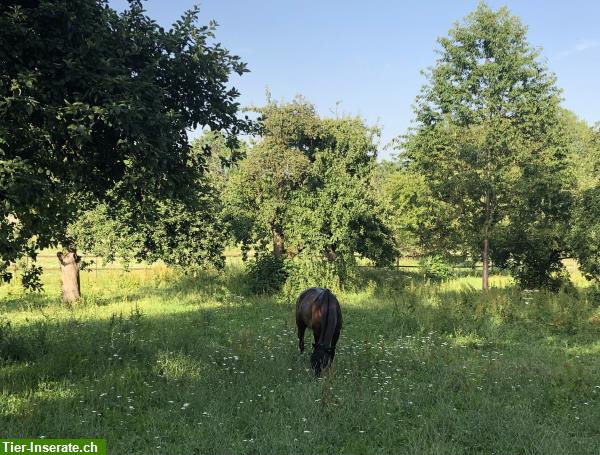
x: 162, y: 365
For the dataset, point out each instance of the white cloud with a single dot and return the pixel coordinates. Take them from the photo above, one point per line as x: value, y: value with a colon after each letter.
x: 580, y: 46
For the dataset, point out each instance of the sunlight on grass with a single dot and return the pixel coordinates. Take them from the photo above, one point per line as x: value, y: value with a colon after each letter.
x: 196, y: 364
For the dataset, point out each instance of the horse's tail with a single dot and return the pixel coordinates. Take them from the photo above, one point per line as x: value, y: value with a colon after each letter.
x: 328, y: 318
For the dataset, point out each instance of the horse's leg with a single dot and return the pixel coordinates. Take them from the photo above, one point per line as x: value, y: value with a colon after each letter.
x: 336, y: 336
x: 301, y: 328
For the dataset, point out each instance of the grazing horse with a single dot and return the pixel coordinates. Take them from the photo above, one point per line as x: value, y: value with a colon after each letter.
x: 318, y: 309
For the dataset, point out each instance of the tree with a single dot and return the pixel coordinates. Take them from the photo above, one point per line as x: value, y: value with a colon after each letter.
x: 259, y: 191
x: 95, y: 108
x: 189, y: 233
x: 305, y: 188
x: 488, y: 138
x: 584, y: 236
x: 410, y: 211
x: 335, y: 212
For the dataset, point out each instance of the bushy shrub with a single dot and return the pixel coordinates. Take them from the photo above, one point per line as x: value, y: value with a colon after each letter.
x: 435, y: 267
x: 539, y: 272
x: 534, y: 263
x: 307, y: 270
x: 266, y: 274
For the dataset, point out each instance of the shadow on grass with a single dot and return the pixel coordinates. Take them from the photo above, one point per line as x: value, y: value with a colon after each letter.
x: 396, y: 304
x: 128, y: 377
x: 500, y: 316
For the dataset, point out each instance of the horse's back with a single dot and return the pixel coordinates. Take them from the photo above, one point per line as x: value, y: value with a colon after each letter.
x: 309, y: 307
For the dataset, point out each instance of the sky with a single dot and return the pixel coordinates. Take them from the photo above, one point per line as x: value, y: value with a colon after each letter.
x: 365, y: 58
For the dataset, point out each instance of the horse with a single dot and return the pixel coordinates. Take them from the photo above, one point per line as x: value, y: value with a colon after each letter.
x: 318, y: 309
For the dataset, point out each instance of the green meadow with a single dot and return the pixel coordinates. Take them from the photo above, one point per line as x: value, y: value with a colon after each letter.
x: 162, y: 363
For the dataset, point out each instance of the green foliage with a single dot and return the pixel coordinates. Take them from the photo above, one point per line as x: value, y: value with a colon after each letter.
x: 220, y: 155
x: 584, y: 236
x: 266, y: 274
x: 185, y: 232
x: 435, y: 267
x: 584, y: 154
x: 95, y: 106
x: 533, y: 260
x: 305, y: 188
x: 30, y: 278
x: 410, y: 211
x: 259, y: 190
x: 335, y: 211
x: 95, y: 232
x: 187, y: 235
x: 585, y: 233
x: 491, y: 149
x: 307, y: 271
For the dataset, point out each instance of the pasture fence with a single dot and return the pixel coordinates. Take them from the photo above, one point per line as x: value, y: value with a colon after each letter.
x: 94, y: 263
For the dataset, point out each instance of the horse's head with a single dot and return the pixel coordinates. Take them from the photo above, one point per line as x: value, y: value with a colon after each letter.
x: 321, y: 357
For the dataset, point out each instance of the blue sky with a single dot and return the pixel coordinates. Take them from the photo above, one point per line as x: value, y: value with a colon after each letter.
x: 367, y: 56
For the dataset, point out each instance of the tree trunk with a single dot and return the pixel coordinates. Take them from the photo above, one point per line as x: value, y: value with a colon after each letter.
x: 69, y: 275
x: 486, y: 259
x: 278, y: 243
x: 485, y: 285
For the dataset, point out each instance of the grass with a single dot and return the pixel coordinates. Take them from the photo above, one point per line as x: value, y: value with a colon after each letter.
x: 158, y: 363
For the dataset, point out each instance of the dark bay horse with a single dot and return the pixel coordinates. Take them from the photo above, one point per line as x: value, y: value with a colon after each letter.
x: 318, y: 309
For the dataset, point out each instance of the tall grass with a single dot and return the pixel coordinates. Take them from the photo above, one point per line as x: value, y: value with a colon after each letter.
x: 161, y: 363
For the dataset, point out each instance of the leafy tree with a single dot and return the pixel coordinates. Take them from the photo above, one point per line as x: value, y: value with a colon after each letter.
x: 411, y: 212
x: 334, y: 212
x: 585, y: 225
x: 584, y: 151
x: 305, y: 189
x: 186, y: 233
x: 488, y: 140
x: 259, y: 191
x: 95, y: 108
x: 221, y: 154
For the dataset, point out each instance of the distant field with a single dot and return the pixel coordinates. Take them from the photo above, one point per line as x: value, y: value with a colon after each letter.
x: 233, y: 257
x: 158, y: 363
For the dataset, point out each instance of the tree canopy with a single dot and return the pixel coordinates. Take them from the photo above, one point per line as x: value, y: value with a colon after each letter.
x: 305, y: 188
x: 94, y: 108
x: 584, y: 234
x: 488, y: 142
